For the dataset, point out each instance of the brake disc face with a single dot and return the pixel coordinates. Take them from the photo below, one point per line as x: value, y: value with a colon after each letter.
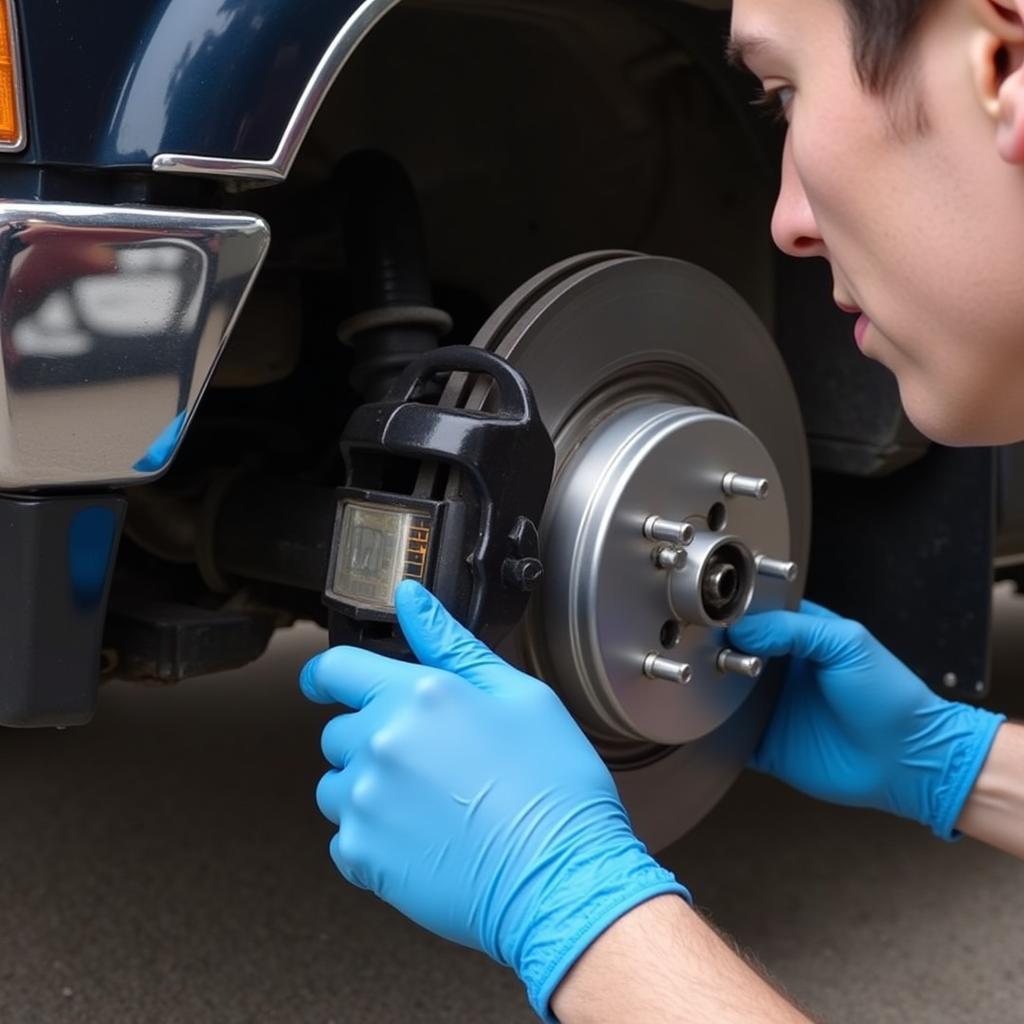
x: 681, y: 500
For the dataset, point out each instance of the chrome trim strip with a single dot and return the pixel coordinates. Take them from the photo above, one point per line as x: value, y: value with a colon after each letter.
x: 112, y: 321
x: 19, y: 83
x: 277, y: 168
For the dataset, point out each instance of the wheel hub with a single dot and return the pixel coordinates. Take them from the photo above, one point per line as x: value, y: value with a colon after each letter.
x: 618, y: 596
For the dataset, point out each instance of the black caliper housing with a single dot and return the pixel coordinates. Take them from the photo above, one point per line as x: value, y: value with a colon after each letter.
x: 444, y: 496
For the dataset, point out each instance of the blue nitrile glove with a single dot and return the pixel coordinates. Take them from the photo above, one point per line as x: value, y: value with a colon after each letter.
x: 855, y: 726
x: 470, y: 800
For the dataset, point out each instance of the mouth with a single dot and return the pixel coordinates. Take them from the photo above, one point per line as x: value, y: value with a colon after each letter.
x: 860, y: 330
x: 863, y: 324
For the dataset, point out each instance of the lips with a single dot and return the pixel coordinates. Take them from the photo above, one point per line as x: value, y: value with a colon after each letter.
x: 860, y: 330
x: 863, y: 322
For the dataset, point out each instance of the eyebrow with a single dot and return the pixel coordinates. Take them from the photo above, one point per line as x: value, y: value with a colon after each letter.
x: 739, y: 49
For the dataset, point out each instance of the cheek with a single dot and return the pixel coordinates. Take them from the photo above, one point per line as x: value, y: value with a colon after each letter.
x: 840, y: 156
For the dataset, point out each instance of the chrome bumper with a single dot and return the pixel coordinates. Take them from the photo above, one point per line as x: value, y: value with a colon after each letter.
x: 112, y: 320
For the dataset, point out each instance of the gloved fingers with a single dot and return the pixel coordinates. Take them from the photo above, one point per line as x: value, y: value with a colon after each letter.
x: 353, y: 677
x: 332, y: 794
x: 344, y: 863
x: 343, y: 737
x: 441, y: 642
x: 823, y: 640
x: 334, y: 797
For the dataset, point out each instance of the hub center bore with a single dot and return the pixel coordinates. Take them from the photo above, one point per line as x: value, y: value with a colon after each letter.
x: 721, y: 585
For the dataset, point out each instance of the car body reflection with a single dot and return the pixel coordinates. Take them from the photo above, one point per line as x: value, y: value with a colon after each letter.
x: 112, y: 320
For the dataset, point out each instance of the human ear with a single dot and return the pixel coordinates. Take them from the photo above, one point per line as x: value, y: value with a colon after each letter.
x: 998, y: 62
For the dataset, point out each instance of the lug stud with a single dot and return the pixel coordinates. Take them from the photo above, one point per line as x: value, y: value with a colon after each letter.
x: 740, y: 664
x: 656, y: 667
x: 669, y: 558
x: 737, y: 486
x: 656, y: 528
x: 777, y: 570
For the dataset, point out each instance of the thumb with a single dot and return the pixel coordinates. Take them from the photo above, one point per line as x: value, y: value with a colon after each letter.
x: 817, y: 638
x: 438, y: 641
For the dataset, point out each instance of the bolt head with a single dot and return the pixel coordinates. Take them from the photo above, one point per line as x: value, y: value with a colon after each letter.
x: 523, y: 574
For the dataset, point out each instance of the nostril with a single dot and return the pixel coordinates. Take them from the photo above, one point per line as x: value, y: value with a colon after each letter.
x: 805, y: 245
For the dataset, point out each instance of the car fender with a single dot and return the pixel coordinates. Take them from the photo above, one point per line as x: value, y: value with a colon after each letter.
x: 224, y: 80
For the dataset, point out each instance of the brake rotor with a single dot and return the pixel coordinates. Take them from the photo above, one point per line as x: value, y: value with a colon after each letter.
x: 681, y: 500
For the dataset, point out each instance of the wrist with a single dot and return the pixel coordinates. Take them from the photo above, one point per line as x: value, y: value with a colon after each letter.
x: 972, y: 735
x: 577, y: 904
x: 994, y: 812
x: 608, y: 981
x: 661, y: 963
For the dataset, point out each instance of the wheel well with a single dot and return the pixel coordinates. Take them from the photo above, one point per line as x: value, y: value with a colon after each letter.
x: 534, y: 130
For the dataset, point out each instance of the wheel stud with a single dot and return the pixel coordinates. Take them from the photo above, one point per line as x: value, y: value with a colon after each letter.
x: 656, y: 528
x: 669, y: 558
x: 740, y: 664
x: 777, y: 570
x: 737, y: 486
x: 656, y: 667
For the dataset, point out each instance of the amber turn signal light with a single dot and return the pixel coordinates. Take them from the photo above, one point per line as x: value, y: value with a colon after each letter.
x: 11, y: 116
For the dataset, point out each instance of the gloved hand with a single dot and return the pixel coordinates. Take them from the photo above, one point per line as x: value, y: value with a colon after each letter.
x: 470, y: 800
x: 855, y: 726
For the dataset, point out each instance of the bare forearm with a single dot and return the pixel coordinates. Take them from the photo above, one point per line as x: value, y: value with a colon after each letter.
x: 660, y: 964
x: 995, y: 811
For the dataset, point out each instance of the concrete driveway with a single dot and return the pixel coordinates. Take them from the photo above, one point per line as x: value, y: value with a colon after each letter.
x: 167, y: 864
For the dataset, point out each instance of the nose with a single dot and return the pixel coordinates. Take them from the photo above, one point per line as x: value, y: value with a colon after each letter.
x: 794, y: 227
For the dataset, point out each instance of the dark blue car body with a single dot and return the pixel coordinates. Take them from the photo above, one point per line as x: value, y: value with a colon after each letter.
x: 112, y: 85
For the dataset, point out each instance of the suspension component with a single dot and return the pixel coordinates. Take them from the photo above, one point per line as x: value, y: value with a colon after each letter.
x: 393, y: 319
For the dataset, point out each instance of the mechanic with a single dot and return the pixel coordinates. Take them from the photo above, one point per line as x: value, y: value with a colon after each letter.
x: 468, y: 798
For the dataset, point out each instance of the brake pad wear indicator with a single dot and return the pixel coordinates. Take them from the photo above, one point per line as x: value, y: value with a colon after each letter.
x: 378, y: 548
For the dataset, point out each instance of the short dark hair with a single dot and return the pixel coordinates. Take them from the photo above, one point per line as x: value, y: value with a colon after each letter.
x: 883, y: 31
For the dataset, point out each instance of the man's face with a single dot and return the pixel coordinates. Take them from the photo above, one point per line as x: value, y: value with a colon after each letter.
x: 924, y: 230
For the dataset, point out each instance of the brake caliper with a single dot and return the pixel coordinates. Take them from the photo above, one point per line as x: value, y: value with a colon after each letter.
x: 446, y: 497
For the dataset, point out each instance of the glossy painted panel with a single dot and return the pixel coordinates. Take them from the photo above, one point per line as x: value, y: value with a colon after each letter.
x: 111, y: 322
x: 116, y: 83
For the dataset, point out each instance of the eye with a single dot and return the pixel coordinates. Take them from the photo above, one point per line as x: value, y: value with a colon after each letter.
x: 776, y: 102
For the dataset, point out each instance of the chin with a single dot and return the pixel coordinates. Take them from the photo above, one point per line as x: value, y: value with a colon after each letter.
x: 961, y: 428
